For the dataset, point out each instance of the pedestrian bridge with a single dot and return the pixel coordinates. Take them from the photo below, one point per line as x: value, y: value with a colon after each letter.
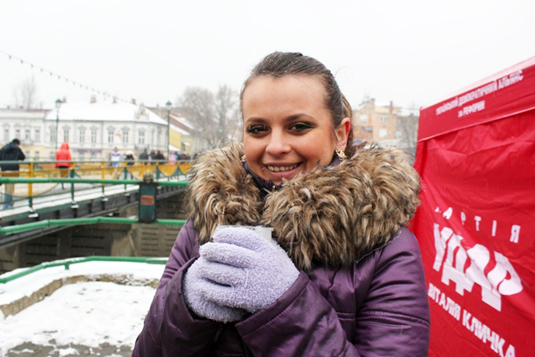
x: 40, y: 199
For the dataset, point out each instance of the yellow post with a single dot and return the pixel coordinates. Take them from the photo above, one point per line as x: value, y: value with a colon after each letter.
x: 103, y: 170
x: 30, y: 185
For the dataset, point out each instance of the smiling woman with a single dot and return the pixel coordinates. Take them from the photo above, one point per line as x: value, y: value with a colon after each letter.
x: 287, y: 127
x: 341, y: 274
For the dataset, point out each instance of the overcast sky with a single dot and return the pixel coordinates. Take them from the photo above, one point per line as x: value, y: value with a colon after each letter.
x: 410, y: 52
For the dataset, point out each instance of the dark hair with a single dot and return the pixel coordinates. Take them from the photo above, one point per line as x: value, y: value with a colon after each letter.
x: 279, y: 64
x: 16, y: 141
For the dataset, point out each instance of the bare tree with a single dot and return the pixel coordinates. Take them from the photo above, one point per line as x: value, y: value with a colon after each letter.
x: 227, y: 113
x: 25, y: 94
x: 215, y: 116
x: 408, y: 126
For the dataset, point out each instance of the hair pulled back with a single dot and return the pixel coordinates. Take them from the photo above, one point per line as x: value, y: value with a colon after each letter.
x: 279, y: 64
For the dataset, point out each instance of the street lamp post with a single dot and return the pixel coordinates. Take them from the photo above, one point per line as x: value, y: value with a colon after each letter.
x: 58, y: 104
x: 168, y: 106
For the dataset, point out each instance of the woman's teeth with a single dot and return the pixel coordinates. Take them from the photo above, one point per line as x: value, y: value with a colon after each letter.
x: 281, y: 168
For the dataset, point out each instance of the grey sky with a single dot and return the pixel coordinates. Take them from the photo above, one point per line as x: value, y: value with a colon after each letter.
x: 405, y: 51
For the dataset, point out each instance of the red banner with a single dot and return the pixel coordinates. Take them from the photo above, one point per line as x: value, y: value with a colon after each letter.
x: 476, y: 225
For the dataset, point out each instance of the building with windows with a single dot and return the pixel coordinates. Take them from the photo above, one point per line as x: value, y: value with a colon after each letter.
x: 92, y: 129
x: 25, y: 125
x: 374, y: 122
x: 182, y: 133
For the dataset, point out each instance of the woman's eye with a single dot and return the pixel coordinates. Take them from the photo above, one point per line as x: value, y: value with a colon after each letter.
x: 256, y: 129
x: 300, y: 127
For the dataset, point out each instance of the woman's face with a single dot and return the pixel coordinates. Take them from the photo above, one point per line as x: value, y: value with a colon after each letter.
x: 287, y: 127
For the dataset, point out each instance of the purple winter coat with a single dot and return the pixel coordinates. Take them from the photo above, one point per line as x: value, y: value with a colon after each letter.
x: 367, y: 299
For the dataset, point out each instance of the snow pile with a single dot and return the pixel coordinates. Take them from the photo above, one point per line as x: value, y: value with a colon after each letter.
x: 85, y: 313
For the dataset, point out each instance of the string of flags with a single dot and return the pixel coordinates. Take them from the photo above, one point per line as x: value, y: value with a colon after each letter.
x: 60, y: 77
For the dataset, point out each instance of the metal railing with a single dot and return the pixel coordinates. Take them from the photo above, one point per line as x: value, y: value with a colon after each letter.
x: 79, y: 221
x: 84, y: 174
x: 68, y: 262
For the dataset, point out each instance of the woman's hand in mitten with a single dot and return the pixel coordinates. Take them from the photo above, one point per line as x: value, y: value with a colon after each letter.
x: 244, y: 270
x: 194, y: 296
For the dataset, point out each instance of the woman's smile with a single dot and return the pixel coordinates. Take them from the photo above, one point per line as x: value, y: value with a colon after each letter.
x: 277, y: 172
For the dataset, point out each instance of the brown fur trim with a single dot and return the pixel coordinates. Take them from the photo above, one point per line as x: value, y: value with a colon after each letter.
x: 221, y: 192
x: 332, y: 215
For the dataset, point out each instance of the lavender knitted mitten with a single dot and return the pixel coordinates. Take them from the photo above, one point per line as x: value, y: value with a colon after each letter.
x: 244, y: 270
x: 192, y: 287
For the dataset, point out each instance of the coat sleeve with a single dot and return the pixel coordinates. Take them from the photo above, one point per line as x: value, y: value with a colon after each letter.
x: 393, y: 319
x: 21, y: 155
x: 169, y: 328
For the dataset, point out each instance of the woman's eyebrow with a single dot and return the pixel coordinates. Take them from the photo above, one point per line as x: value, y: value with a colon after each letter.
x: 254, y: 120
x: 294, y: 117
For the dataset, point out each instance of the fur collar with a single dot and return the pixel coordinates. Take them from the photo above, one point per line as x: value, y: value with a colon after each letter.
x: 331, y: 215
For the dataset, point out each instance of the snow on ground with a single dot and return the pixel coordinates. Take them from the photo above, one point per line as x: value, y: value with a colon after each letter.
x: 83, y: 318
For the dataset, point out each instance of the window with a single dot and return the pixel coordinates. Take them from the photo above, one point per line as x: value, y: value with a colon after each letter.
x: 382, y: 133
x: 384, y: 118
x: 65, y: 135
x: 363, y: 118
x: 52, y: 156
x: 17, y: 133
x: 6, y: 135
x: 93, y: 136
x: 52, y: 135
x: 37, y: 156
x: 82, y: 136
x: 141, y: 138
x: 125, y: 136
x: 27, y: 134
x: 37, y: 135
x: 110, y: 136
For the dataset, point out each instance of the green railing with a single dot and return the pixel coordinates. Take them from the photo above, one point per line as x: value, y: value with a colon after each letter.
x: 83, y: 221
x: 68, y: 262
x: 83, y: 170
x: 15, y: 180
x: 31, y: 182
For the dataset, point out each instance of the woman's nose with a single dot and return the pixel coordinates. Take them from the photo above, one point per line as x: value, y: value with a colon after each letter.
x: 278, y: 144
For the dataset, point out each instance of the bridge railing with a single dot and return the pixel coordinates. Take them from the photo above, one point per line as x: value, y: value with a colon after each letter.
x: 21, y: 194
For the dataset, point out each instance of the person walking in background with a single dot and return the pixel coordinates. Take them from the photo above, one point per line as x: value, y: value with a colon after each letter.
x: 159, y: 155
x: 152, y: 155
x: 64, y: 156
x: 143, y: 157
x: 130, y: 158
x: 115, y: 157
x: 172, y: 158
x: 10, y: 152
x: 296, y: 241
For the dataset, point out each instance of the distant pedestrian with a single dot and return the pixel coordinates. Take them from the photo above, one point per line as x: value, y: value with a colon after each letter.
x: 172, y: 158
x: 144, y: 156
x: 152, y: 155
x: 129, y: 158
x: 115, y: 157
x: 64, y: 156
x: 160, y: 156
x: 10, y: 152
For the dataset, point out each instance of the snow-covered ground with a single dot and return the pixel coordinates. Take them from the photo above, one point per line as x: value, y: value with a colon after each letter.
x: 96, y: 317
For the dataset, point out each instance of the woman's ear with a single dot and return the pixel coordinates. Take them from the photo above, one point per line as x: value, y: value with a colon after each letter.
x: 342, y: 133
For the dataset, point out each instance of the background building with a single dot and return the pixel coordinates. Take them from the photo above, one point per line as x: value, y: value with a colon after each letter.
x: 374, y: 122
x: 27, y: 126
x: 92, y: 129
